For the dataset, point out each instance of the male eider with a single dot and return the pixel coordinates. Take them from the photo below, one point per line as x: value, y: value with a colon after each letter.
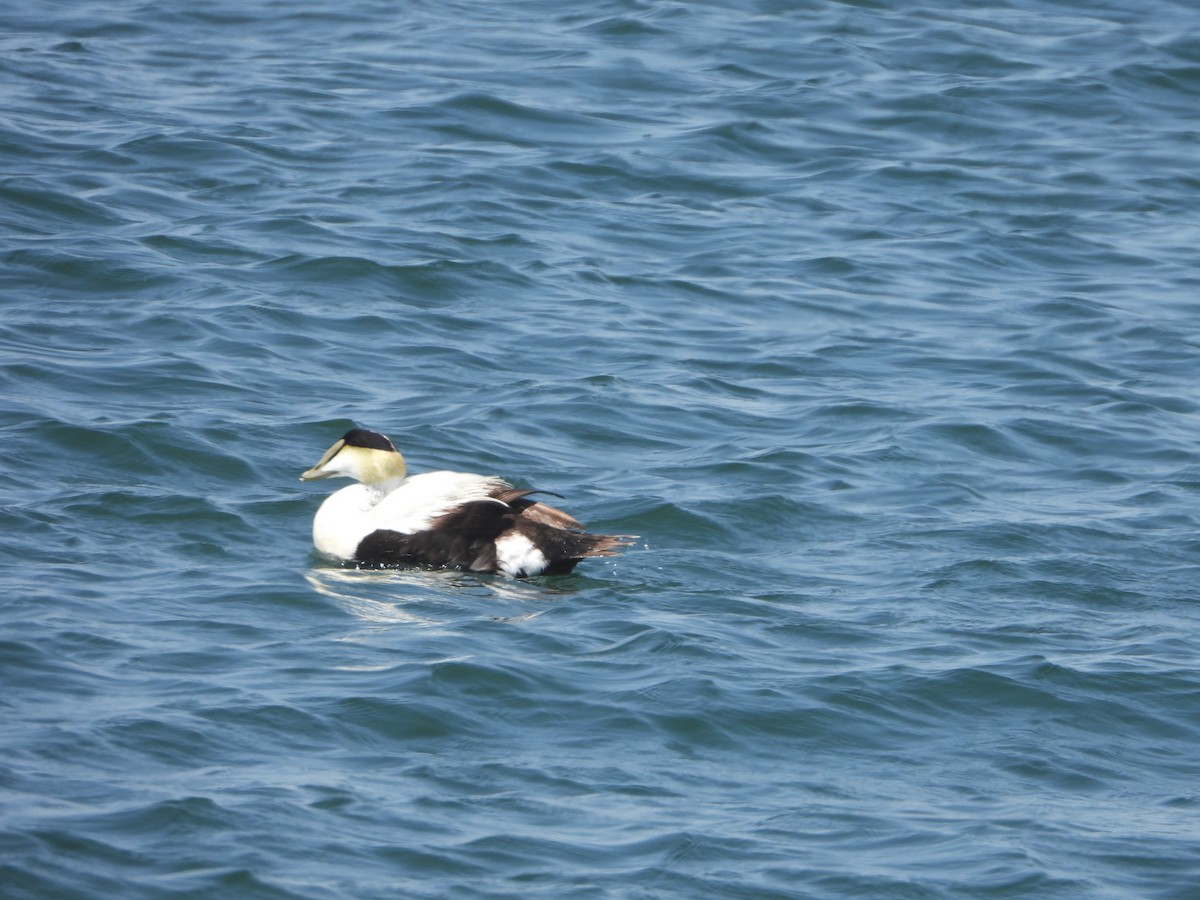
x: 450, y: 520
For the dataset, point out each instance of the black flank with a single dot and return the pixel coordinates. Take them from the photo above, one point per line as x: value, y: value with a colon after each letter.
x: 464, y: 538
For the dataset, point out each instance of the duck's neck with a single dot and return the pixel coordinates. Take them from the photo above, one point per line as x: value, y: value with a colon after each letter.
x: 381, y: 489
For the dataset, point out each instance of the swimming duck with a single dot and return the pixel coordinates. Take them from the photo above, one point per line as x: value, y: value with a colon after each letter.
x: 452, y: 520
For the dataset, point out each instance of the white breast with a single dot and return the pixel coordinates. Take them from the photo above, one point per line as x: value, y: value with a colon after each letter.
x: 343, y: 520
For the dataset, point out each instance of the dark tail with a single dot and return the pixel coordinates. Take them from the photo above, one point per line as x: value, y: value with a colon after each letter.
x: 564, y: 549
x: 604, y: 544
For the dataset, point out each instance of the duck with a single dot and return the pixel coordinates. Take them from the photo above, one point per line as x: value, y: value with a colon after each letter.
x: 443, y: 519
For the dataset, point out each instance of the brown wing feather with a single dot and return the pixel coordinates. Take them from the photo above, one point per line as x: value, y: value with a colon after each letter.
x: 535, y: 510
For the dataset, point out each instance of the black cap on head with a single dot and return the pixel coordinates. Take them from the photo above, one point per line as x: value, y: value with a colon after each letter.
x: 373, y: 440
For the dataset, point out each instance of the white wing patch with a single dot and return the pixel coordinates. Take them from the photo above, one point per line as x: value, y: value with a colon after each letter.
x: 422, y: 498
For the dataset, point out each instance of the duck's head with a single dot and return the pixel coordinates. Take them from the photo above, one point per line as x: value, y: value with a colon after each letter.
x: 363, y: 455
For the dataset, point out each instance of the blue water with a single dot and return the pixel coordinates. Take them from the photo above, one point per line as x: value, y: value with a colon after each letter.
x: 877, y: 321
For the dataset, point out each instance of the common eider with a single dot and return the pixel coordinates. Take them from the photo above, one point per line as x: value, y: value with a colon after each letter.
x: 451, y: 520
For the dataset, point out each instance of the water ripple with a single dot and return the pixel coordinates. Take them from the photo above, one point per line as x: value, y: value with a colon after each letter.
x: 874, y: 323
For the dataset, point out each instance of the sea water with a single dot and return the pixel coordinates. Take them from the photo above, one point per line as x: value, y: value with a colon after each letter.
x: 876, y: 321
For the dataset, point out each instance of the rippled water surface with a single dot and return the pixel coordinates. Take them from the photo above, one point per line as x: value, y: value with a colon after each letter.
x: 877, y: 321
